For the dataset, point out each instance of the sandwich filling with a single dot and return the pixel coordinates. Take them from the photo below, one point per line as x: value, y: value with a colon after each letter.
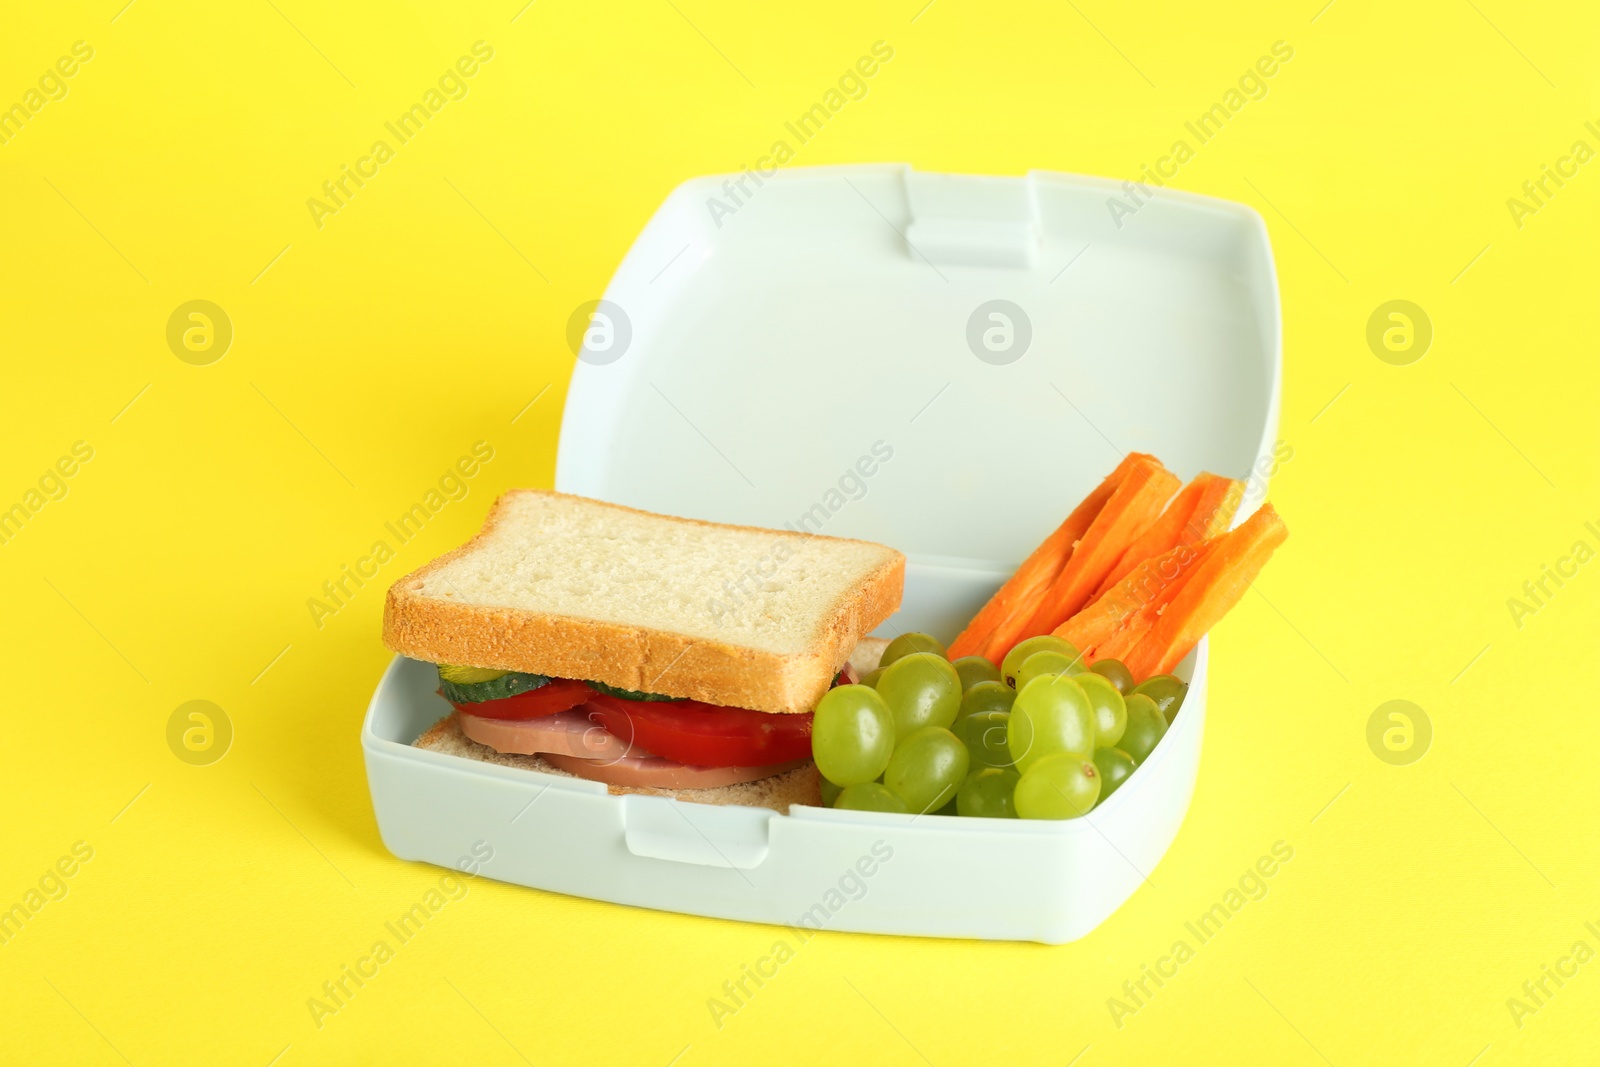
x: 622, y: 737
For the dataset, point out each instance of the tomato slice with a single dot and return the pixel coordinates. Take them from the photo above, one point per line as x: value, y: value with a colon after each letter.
x: 558, y: 694
x: 705, y: 735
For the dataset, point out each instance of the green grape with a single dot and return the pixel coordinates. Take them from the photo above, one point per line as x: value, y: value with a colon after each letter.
x: 1063, y: 786
x: 852, y: 735
x: 948, y: 809
x: 1047, y: 662
x: 1052, y: 715
x: 1114, y: 766
x: 1019, y: 655
x: 1114, y: 671
x: 1110, y: 711
x: 986, y: 696
x: 927, y: 768
x: 984, y: 734
x: 1168, y: 693
x: 872, y: 676
x: 988, y: 794
x: 1145, y: 727
x: 921, y: 689
x: 830, y: 792
x: 906, y: 644
x: 869, y: 796
x: 975, y: 669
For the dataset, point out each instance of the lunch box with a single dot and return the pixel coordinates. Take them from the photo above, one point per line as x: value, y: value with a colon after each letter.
x: 943, y: 363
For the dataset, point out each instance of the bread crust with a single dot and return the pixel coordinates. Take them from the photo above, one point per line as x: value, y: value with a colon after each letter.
x: 634, y: 657
x: 799, y: 786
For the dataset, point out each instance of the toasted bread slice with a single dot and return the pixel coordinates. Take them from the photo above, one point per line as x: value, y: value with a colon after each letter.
x: 799, y: 786
x: 575, y: 588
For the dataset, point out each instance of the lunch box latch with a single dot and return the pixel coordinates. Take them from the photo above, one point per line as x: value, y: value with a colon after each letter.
x: 961, y: 220
x: 709, y: 835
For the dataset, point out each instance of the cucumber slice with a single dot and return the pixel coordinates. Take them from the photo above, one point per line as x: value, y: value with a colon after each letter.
x: 630, y: 694
x: 505, y: 684
x: 469, y: 675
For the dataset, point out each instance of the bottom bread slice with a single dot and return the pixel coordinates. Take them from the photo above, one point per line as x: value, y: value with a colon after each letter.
x: 799, y: 786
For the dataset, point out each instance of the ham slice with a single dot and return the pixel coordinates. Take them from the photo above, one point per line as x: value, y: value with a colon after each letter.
x: 569, y: 741
x: 567, y: 733
x: 656, y: 772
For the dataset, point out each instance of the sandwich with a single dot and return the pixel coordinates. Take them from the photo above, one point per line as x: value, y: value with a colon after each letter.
x: 657, y: 655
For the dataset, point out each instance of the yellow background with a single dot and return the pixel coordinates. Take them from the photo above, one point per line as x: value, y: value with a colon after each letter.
x: 374, y: 351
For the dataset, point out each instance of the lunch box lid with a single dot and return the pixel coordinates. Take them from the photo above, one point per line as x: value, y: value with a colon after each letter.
x: 942, y: 363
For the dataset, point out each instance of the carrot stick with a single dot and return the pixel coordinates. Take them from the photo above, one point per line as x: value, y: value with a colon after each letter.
x: 1023, y: 588
x: 1133, y: 630
x: 1118, y: 617
x: 1202, y: 509
x: 1215, y: 587
x: 1214, y: 514
x: 1162, y: 535
x: 1143, y: 591
x: 1121, y: 643
x: 1133, y: 506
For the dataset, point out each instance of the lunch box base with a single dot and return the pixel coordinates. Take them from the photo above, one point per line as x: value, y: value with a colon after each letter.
x: 813, y: 869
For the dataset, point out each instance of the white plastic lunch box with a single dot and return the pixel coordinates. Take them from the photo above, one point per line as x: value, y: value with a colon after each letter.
x: 943, y: 363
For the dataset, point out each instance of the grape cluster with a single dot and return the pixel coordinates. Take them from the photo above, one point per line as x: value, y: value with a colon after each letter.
x: 1042, y: 736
